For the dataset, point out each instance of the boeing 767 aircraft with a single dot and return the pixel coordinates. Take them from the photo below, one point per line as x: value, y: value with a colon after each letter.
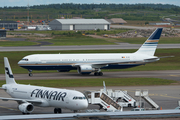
x: 87, y: 63
x: 28, y: 96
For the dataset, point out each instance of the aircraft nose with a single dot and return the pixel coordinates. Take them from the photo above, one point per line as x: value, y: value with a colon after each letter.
x: 84, y: 104
x: 19, y: 63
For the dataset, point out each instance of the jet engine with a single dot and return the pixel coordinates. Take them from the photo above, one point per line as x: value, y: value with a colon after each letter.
x: 85, y: 69
x: 26, y: 108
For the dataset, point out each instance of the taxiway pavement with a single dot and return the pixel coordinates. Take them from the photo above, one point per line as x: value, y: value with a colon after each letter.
x: 166, y: 97
x: 164, y: 74
x: 83, y: 47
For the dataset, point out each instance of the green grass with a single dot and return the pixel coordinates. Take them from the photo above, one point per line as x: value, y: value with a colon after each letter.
x: 78, y: 41
x: 63, y: 32
x: 97, y: 82
x: 84, y: 40
x: 163, y: 40
x: 62, y: 38
x: 16, y: 43
x: 112, y: 31
x: 171, y: 63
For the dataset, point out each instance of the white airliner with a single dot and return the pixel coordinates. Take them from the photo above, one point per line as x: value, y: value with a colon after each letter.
x: 87, y: 63
x: 28, y: 96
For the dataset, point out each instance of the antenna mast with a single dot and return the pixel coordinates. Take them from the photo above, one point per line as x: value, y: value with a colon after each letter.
x: 28, y: 13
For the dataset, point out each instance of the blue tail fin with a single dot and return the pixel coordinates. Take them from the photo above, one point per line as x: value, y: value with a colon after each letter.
x: 150, y: 45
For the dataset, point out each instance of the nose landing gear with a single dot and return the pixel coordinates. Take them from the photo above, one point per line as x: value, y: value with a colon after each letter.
x: 30, y: 74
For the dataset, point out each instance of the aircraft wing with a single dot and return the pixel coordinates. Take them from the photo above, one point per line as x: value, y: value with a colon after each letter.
x: 107, y: 63
x: 98, y: 115
x: 21, y: 100
x: 122, y: 62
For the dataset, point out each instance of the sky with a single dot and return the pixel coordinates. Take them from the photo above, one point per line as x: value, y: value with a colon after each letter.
x: 41, y: 2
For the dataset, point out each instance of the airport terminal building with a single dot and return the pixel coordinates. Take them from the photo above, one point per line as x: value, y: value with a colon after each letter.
x: 79, y: 24
x: 11, y: 25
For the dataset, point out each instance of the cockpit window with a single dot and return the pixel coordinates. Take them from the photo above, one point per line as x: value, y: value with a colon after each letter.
x: 25, y: 59
x: 78, y: 98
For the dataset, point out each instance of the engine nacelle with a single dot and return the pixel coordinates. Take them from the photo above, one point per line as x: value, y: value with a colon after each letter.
x: 85, y: 69
x: 26, y: 107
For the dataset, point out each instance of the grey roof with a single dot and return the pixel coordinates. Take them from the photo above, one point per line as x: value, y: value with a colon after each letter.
x: 118, y: 20
x: 109, y: 20
x: 82, y: 21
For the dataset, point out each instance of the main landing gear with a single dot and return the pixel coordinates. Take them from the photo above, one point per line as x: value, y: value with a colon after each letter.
x: 75, y: 111
x: 25, y: 113
x: 98, y: 74
x: 30, y: 74
x: 57, y: 110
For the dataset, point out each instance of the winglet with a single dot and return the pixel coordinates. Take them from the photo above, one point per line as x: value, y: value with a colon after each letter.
x: 8, y: 72
x: 150, y: 45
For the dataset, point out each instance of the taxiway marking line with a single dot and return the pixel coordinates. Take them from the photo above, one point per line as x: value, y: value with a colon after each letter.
x: 9, y: 108
x: 165, y: 95
x: 170, y: 96
x: 175, y: 75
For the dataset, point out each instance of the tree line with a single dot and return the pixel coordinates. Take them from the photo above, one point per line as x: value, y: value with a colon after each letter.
x: 94, y: 6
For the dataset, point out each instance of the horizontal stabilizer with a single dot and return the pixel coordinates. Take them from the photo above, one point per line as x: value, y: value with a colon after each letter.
x: 166, y: 56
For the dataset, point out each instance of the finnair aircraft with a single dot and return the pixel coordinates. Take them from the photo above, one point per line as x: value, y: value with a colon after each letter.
x: 28, y: 96
x: 87, y: 63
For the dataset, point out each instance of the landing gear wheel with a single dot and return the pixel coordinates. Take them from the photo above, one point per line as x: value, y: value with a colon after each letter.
x: 95, y: 74
x: 100, y: 74
x: 25, y: 113
x: 55, y: 110
x: 59, y: 110
x: 30, y: 74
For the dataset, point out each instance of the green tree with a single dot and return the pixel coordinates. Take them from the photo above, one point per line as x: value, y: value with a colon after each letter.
x: 146, y: 23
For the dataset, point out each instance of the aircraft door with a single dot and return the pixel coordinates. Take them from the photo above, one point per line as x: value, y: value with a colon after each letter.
x: 67, y: 104
x: 67, y: 100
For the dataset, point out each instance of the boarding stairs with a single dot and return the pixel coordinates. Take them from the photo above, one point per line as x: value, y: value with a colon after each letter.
x: 102, y: 99
x: 109, y: 103
x: 122, y: 98
x: 146, y: 97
